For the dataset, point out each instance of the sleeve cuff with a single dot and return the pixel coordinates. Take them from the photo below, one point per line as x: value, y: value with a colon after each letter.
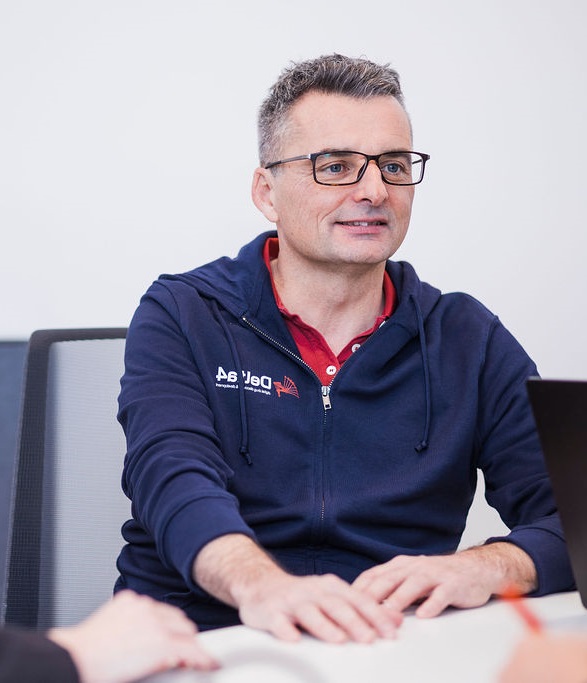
x: 194, y: 526
x: 549, y: 553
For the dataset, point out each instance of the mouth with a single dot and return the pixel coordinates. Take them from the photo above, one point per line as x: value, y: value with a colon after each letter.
x: 363, y: 227
x: 362, y: 224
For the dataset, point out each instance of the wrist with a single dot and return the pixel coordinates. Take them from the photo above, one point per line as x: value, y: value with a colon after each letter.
x: 256, y: 580
x: 234, y: 569
x: 508, y: 568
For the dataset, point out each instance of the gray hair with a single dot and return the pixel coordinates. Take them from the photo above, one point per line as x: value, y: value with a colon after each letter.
x: 336, y: 74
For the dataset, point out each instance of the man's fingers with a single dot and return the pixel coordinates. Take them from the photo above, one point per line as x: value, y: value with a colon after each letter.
x: 437, y: 582
x: 321, y: 624
x: 362, y: 616
x: 283, y: 629
x: 434, y: 605
x: 385, y: 619
x: 336, y: 621
x: 325, y: 607
x: 408, y: 593
x: 379, y: 582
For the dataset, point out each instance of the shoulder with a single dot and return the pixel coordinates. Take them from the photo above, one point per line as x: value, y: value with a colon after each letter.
x: 457, y: 318
x: 467, y: 306
x: 232, y: 282
x: 433, y: 302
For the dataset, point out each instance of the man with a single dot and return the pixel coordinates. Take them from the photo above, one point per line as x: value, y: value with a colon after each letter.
x: 129, y: 637
x: 305, y: 422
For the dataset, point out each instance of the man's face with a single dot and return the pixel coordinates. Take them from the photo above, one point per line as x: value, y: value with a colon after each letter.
x: 363, y: 223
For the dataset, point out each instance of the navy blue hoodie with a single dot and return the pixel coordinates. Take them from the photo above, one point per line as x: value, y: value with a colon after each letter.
x: 229, y: 431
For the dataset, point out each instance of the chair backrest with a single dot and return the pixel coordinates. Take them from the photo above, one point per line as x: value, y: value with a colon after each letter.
x: 12, y: 359
x: 68, y: 502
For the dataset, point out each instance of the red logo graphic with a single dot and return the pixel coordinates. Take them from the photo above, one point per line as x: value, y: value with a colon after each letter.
x: 288, y: 387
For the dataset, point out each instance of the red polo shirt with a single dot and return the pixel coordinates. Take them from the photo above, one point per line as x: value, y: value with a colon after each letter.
x: 311, y: 344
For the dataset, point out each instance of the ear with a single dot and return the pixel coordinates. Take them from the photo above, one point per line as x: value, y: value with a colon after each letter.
x: 262, y: 193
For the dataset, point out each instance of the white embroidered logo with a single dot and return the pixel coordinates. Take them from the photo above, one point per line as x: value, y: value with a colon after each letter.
x: 259, y: 384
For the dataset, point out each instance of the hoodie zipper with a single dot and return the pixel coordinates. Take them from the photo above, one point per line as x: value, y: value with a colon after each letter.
x: 325, y: 390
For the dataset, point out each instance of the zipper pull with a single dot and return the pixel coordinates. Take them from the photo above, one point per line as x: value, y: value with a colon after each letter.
x: 326, y: 398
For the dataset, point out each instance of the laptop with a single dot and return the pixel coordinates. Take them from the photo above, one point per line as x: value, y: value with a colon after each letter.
x: 560, y: 412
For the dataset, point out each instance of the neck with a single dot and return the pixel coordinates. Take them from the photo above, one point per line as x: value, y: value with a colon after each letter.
x: 340, y: 302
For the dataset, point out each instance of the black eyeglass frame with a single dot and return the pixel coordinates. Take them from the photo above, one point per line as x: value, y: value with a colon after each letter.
x: 368, y: 158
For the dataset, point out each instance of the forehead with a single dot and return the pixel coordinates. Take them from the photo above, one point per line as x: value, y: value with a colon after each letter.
x: 320, y: 121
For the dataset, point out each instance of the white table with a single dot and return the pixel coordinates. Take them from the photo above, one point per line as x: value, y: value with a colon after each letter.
x: 460, y: 645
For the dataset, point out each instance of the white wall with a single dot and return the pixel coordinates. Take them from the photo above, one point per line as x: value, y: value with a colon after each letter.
x: 127, y: 142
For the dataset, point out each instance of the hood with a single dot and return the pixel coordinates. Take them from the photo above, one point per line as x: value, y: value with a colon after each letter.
x: 235, y: 283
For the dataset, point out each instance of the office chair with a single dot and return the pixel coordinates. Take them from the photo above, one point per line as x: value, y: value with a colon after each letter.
x: 12, y: 359
x: 68, y: 503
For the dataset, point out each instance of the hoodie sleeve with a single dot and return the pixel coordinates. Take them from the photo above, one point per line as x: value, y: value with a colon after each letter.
x: 174, y: 471
x: 516, y: 479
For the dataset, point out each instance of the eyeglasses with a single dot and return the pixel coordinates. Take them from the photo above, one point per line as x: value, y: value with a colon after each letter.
x: 347, y: 168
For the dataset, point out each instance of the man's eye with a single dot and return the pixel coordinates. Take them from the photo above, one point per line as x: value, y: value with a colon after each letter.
x: 334, y: 169
x: 393, y: 168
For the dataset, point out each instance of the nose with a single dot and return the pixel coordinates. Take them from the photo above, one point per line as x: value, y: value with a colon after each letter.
x: 371, y: 186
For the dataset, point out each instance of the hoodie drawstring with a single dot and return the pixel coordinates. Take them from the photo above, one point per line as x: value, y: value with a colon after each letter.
x: 244, y: 445
x: 423, y: 444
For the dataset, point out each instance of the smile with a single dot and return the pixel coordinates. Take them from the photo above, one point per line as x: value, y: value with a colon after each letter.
x: 362, y: 224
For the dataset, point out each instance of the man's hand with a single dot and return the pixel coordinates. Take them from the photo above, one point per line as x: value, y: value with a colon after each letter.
x: 325, y: 606
x: 235, y: 570
x: 466, y: 579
